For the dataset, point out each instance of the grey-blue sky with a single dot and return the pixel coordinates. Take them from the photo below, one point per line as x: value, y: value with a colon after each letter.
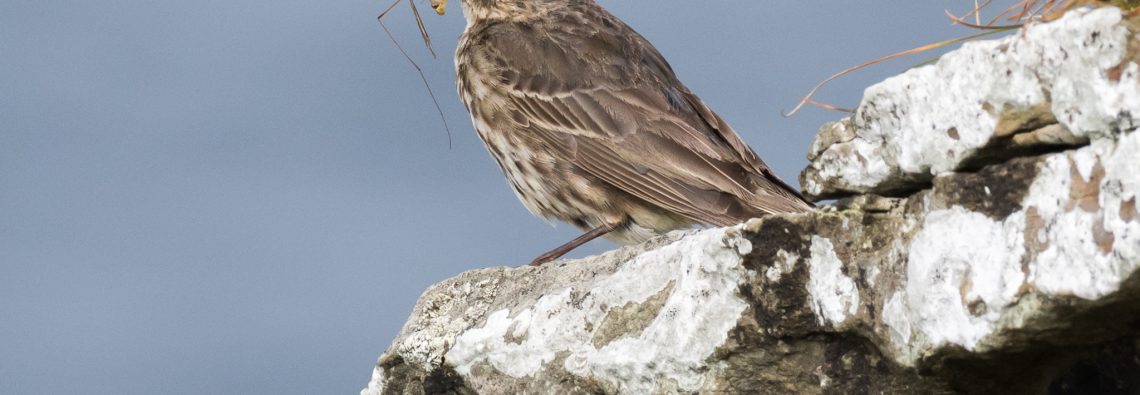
x: 248, y: 196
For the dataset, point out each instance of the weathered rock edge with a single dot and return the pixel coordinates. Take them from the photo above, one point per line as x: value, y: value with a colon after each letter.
x: 1048, y: 87
x: 1007, y: 269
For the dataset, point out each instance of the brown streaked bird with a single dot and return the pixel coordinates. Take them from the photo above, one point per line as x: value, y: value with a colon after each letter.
x: 591, y: 126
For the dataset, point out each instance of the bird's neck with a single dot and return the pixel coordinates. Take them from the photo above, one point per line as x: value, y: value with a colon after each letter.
x: 490, y: 11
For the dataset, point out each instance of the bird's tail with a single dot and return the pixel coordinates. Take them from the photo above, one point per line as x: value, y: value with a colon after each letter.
x: 781, y: 197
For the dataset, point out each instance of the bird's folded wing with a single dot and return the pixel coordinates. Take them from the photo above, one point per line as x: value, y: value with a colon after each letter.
x: 611, y: 103
x: 636, y: 140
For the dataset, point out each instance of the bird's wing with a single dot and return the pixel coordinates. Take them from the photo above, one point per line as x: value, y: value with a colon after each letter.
x: 609, y: 101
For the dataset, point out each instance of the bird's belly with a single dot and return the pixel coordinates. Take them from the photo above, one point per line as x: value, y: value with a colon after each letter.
x: 554, y: 189
x: 547, y: 188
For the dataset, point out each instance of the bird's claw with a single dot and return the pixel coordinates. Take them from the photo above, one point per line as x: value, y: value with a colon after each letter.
x: 545, y: 258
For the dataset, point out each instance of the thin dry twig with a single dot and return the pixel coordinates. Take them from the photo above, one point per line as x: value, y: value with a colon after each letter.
x: 807, y: 99
x: 959, y: 21
x: 423, y: 30
x: 831, y: 107
x: 977, y: 11
x: 427, y: 41
x: 1019, y: 13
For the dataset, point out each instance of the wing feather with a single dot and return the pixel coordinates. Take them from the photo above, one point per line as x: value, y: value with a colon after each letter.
x: 608, y: 101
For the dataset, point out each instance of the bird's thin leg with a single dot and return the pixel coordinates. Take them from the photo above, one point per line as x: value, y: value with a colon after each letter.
x: 578, y: 241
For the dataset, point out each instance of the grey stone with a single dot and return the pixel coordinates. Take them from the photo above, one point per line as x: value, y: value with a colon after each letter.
x: 1007, y: 265
x: 1051, y: 86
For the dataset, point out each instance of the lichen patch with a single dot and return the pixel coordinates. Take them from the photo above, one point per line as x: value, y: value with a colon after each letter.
x: 649, y: 325
x: 834, y: 296
x: 631, y: 319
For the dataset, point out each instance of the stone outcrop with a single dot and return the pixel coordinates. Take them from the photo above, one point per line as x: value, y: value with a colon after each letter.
x: 986, y: 239
x: 1049, y: 87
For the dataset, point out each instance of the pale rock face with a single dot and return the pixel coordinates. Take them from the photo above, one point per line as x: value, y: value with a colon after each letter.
x: 690, y: 283
x: 834, y: 296
x: 931, y: 119
x: 1008, y: 252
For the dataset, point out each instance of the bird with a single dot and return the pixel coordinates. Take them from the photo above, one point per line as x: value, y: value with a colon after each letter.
x: 590, y: 126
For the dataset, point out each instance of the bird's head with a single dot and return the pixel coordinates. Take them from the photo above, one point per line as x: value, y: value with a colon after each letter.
x: 490, y: 10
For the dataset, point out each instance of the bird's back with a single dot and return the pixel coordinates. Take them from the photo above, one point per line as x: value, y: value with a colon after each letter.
x: 585, y: 90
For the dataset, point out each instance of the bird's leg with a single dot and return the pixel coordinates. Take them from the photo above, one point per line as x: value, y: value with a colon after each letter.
x: 578, y: 241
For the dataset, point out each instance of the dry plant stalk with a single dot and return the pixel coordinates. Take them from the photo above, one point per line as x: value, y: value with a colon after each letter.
x: 1014, y: 16
x: 440, y: 7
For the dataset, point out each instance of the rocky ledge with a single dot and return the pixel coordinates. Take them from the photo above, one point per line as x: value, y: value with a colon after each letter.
x: 986, y: 240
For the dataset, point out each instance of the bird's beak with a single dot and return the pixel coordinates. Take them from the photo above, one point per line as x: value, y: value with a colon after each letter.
x: 440, y: 6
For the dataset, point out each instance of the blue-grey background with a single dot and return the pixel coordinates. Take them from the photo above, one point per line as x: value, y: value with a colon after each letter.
x: 228, y: 196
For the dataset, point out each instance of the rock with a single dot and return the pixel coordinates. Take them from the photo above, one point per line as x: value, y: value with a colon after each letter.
x: 993, y: 253
x: 1068, y: 80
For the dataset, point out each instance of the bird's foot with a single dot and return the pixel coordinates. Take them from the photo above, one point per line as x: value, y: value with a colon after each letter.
x: 590, y: 235
x: 548, y: 256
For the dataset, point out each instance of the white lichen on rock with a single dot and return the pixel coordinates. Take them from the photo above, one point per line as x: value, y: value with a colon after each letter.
x: 834, y: 295
x: 704, y: 270
x: 785, y: 263
x: 897, y: 319
x: 1079, y: 196
x: 965, y: 269
x: 376, y: 385
x: 928, y: 120
x: 959, y: 259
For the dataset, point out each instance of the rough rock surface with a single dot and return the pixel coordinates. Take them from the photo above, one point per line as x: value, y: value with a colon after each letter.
x: 1049, y: 86
x: 988, y: 242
